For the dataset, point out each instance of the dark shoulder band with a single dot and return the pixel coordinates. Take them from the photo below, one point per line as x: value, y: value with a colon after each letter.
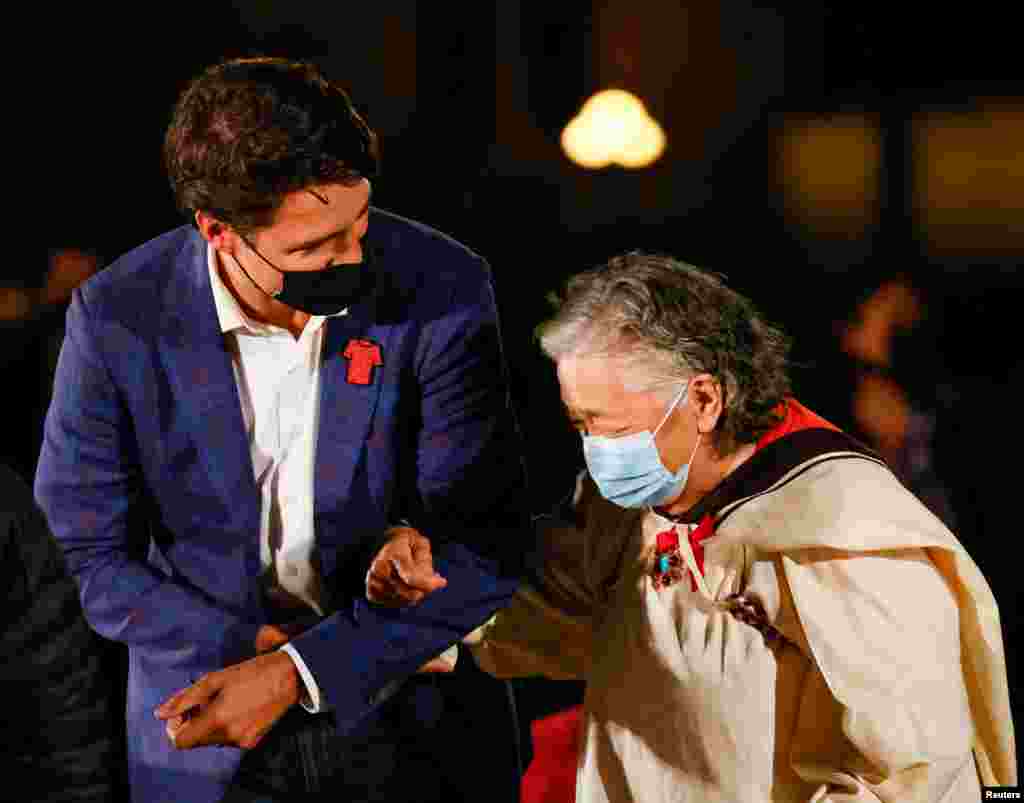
x: 769, y: 465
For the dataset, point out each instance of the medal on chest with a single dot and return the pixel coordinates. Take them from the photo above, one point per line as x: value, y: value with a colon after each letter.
x: 668, y: 566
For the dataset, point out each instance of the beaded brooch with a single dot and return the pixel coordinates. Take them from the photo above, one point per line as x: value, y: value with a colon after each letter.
x: 668, y: 565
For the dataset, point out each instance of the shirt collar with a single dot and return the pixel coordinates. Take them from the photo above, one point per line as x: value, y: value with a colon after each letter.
x: 230, y: 314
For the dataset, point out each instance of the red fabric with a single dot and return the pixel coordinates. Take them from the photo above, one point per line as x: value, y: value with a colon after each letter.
x: 797, y: 417
x: 667, y: 541
x: 363, y: 356
x: 700, y: 533
x: 551, y: 776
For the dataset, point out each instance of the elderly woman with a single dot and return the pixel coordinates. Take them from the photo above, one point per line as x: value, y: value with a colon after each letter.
x: 760, y: 610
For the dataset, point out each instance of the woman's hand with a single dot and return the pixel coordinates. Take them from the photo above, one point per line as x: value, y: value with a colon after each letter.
x: 402, y: 573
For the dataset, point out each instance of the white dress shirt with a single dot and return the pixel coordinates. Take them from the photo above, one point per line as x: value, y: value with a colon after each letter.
x: 278, y: 378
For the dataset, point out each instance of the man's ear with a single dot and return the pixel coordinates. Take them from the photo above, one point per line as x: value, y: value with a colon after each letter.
x: 221, y: 236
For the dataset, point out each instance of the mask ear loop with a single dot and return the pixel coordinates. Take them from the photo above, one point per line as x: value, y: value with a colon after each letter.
x: 700, y: 434
x: 693, y: 454
x: 259, y: 287
x: 672, y: 407
x: 252, y: 248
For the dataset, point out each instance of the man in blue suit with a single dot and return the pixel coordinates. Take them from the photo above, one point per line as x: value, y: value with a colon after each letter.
x: 249, y: 412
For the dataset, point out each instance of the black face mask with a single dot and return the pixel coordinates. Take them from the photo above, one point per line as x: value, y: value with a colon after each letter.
x: 321, y: 292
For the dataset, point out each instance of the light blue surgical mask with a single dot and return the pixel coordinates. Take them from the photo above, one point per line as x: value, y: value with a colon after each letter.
x: 628, y: 470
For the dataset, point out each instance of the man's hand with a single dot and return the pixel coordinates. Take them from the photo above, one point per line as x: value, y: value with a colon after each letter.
x: 234, y: 707
x: 402, y: 573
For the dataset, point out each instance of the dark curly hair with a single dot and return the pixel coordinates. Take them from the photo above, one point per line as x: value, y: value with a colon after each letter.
x: 678, y: 321
x: 249, y: 131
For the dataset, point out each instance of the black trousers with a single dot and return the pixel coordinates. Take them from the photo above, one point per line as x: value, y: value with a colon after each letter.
x: 304, y: 759
x: 441, y: 738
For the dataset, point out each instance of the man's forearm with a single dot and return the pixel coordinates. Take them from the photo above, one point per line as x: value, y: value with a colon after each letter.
x: 358, y: 652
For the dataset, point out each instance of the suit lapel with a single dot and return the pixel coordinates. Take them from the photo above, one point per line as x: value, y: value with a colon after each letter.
x: 201, y: 374
x: 347, y: 402
x: 199, y: 366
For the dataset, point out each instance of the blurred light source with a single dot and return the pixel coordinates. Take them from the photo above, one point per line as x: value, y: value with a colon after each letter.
x: 613, y: 127
x: 969, y: 178
x: 829, y: 171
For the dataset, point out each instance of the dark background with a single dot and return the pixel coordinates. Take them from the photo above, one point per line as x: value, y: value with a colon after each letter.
x: 812, y: 153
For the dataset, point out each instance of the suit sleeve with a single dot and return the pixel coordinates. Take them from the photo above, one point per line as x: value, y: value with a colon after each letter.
x: 89, y: 486
x: 470, y: 501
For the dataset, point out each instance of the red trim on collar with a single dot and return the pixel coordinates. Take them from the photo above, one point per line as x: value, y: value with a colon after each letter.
x: 797, y: 417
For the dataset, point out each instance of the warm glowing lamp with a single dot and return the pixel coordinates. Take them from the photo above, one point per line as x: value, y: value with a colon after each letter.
x: 613, y: 127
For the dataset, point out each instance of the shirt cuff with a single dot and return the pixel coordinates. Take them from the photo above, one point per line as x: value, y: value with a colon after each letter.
x: 311, y: 699
x: 451, y: 656
x: 473, y: 639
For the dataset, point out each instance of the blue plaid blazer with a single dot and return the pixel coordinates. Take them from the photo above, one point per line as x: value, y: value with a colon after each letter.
x: 146, y: 479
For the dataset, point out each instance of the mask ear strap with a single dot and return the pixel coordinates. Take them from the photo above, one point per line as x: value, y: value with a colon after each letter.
x: 672, y: 407
x: 258, y: 286
x: 693, y: 454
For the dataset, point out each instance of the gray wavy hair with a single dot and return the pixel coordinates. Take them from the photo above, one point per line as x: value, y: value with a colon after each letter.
x: 671, y: 321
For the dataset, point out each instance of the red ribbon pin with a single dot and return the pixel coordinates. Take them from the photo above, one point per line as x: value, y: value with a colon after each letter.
x: 363, y: 356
